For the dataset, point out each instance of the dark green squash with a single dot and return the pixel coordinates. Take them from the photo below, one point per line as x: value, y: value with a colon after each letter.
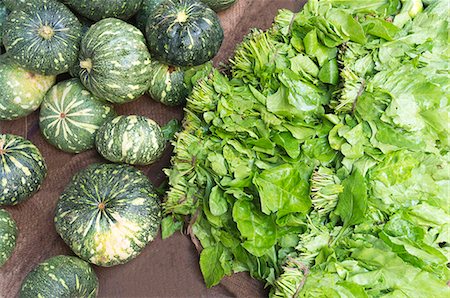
x: 3, y: 15
x: 184, y: 33
x: 148, y: 6
x: 108, y: 213
x: 21, y: 91
x: 219, y: 5
x: 102, y: 9
x: 135, y: 140
x: 114, y: 61
x: 8, y: 235
x: 22, y: 169
x: 171, y: 85
x: 70, y: 116
x: 43, y: 38
x: 60, y: 276
x: 19, y: 4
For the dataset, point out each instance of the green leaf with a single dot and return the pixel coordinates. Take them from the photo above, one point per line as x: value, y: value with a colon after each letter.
x: 217, y: 202
x: 329, y: 73
x: 348, y: 25
x: 169, y: 227
x: 210, y: 265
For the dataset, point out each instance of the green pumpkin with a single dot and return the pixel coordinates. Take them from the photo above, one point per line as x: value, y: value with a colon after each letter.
x: 114, y: 61
x: 171, y: 85
x: 8, y: 235
x: 108, y: 213
x: 148, y: 6
x: 184, y: 33
x: 60, y: 276
x: 3, y: 15
x: 219, y: 5
x: 135, y: 140
x: 21, y: 91
x: 70, y: 116
x: 22, y: 169
x: 44, y: 38
x: 19, y: 4
x: 102, y: 9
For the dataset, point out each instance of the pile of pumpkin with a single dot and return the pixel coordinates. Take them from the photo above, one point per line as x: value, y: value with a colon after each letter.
x: 115, y: 51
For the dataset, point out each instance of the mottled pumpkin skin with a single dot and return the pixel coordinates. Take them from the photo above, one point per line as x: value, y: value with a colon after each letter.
x: 8, y: 235
x: 219, y: 5
x: 135, y: 140
x: 70, y: 116
x: 3, y: 15
x: 22, y: 169
x: 19, y: 4
x: 108, y: 213
x: 148, y: 6
x: 44, y: 38
x: 61, y: 276
x: 101, y: 9
x: 21, y: 91
x: 114, y: 61
x: 184, y: 33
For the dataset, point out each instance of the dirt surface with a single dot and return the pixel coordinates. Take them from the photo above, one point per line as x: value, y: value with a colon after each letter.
x: 166, y: 268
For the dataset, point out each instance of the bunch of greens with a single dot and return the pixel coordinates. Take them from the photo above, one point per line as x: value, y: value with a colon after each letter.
x: 321, y: 164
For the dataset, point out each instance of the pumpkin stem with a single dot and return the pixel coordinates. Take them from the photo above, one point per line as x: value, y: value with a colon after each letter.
x: 182, y: 17
x: 46, y: 32
x: 101, y: 206
x: 86, y: 64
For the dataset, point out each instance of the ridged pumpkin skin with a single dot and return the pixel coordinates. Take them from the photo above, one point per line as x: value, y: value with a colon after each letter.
x: 22, y: 169
x: 147, y: 8
x: 132, y: 139
x: 61, y: 276
x: 102, y: 9
x: 70, y: 116
x: 21, y: 91
x: 184, y: 33
x: 108, y: 213
x: 8, y: 235
x: 114, y: 61
x: 219, y: 5
x: 44, y: 37
x: 171, y: 85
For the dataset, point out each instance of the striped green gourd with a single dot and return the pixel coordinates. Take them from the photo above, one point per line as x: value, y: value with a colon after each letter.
x: 108, y: 213
x: 60, y: 276
x: 171, y: 85
x: 70, y: 116
x: 135, y: 140
x: 184, y: 33
x: 8, y: 235
x: 22, y: 169
x: 101, y: 9
x: 147, y: 8
x: 219, y: 5
x: 44, y: 38
x: 114, y: 61
x: 22, y: 91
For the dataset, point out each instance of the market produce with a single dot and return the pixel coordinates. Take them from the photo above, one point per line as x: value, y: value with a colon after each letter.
x: 61, y: 276
x: 102, y: 9
x: 321, y: 165
x: 8, y: 235
x: 70, y: 116
x: 44, y: 37
x: 184, y: 33
x: 22, y: 90
x: 19, y: 4
x: 171, y: 85
x: 219, y: 5
x: 114, y: 61
x: 147, y: 8
x: 108, y: 213
x: 135, y: 140
x: 3, y: 15
x: 22, y: 169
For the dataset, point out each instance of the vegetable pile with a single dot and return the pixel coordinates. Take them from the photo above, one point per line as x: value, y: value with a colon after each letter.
x: 320, y: 165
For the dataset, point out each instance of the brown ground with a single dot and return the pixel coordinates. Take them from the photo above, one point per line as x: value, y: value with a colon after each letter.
x: 165, y: 268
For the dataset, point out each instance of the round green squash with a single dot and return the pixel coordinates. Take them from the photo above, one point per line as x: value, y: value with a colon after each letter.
x: 8, y: 235
x: 60, y: 276
x: 44, y: 38
x: 3, y: 15
x: 19, y: 4
x: 148, y: 6
x: 70, y: 116
x: 135, y: 140
x: 219, y: 5
x: 22, y: 169
x: 102, y: 9
x: 171, y: 85
x: 108, y: 213
x: 114, y: 61
x: 21, y: 91
x: 184, y: 33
